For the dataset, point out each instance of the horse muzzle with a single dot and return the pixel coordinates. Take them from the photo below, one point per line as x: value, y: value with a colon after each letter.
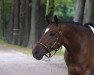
x: 38, y: 53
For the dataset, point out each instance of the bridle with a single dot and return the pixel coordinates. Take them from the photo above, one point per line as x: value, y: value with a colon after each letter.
x: 47, y: 48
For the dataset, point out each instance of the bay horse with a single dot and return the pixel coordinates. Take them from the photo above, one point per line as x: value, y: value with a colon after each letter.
x: 78, y: 41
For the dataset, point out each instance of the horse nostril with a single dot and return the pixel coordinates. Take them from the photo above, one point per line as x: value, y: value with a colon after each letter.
x: 36, y: 52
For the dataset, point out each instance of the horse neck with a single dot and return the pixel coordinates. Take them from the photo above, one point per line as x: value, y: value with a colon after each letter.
x: 72, y: 38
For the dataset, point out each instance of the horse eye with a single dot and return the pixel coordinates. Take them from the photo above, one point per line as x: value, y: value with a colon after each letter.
x: 52, y: 34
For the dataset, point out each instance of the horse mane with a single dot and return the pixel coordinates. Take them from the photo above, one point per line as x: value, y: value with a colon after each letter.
x: 71, y: 22
x: 87, y: 25
x: 90, y: 26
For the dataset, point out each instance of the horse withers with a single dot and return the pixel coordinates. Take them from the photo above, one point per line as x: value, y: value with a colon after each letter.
x: 78, y: 41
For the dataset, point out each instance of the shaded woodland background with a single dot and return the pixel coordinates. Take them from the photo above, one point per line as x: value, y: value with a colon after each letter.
x: 22, y: 22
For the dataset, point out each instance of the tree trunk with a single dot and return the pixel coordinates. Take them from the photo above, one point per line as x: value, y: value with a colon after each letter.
x: 50, y: 8
x: 1, y: 19
x: 1, y: 24
x: 80, y: 5
x: 37, y: 21
x: 27, y: 23
x: 9, y: 34
x: 89, y: 11
x: 22, y: 21
x: 16, y: 21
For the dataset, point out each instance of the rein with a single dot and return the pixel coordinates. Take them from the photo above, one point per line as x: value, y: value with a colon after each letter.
x: 49, y: 54
x: 48, y: 50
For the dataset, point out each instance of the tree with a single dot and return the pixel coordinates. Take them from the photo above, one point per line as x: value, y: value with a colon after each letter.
x: 16, y: 21
x: 9, y: 33
x: 37, y: 21
x: 89, y: 11
x: 27, y: 23
x: 84, y: 11
x: 22, y: 22
x: 1, y: 18
x: 64, y: 9
x: 0, y: 23
x: 50, y: 8
x: 79, y: 12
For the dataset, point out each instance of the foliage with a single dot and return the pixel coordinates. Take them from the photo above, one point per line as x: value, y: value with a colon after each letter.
x: 2, y: 41
x: 61, y: 51
x: 6, y: 11
x: 64, y: 9
x: 23, y: 50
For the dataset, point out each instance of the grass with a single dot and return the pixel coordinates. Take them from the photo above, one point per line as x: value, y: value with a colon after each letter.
x: 61, y: 51
x: 21, y: 49
x: 2, y: 42
x: 25, y: 50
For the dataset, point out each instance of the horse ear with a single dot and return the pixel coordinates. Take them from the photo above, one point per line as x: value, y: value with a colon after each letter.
x: 56, y: 19
x: 47, y: 19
